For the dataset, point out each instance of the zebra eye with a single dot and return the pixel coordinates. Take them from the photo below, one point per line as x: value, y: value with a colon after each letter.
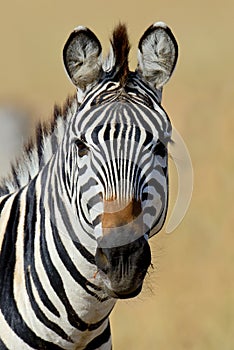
x: 159, y: 149
x: 83, y: 149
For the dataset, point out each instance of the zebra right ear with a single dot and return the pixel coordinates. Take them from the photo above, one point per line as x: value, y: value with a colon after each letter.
x: 157, y: 54
x: 82, y: 58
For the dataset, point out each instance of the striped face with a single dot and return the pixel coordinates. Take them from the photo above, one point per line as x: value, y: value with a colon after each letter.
x: 122, y: 162
x: 118, y: 154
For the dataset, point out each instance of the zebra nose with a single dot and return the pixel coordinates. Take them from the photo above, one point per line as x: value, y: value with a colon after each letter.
x: 119, y: 213
x: 122, y: 223
x: 123, y: 268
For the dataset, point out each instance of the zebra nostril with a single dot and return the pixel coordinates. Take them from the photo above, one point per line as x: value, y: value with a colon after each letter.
x: 101, y: 260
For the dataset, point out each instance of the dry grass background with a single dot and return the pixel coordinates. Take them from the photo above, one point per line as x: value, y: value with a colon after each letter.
x: 188, y: 300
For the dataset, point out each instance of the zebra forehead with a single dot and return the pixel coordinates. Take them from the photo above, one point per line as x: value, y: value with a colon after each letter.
x: 122, y: 115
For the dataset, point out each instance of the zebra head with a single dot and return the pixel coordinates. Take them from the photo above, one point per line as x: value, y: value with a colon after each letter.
x: 117, y: 157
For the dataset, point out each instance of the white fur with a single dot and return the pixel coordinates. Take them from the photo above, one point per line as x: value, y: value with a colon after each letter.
x: 109, y: 62
x: 157, y: 56
x: 160, y: 24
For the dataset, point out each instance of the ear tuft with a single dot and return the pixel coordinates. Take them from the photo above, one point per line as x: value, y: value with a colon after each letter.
x: 157, y: 54
x: 82, y: 57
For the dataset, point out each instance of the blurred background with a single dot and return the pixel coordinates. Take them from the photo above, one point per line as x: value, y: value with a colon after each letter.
x: 188, y: 298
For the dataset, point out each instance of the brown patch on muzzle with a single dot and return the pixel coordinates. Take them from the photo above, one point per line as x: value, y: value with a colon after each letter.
x: 119, y: 213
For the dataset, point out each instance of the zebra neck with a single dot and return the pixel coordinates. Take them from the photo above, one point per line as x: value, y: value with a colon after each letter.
x: 55, y: 198
x: 51, y: 271
x: 61, y: 238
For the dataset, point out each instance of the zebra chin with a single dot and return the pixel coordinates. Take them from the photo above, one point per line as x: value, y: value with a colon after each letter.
x: 123, y: 269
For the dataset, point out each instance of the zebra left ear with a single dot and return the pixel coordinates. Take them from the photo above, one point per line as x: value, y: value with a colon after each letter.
x: 157, y: 54
x: 82, y: 57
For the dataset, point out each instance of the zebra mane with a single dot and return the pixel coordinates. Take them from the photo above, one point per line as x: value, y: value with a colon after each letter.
x: 39, y: 149
x: 117, y: 61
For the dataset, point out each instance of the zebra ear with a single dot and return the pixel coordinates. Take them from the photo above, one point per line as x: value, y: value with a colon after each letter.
x: 157, y: 54
x: 82, y: 57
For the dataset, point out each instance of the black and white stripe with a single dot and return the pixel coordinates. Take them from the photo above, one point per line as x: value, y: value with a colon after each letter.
x: 107, y: 143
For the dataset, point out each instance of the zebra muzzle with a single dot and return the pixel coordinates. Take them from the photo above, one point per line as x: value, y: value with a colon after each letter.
x: 123, y: 268
x: 122, y: 223
x: 123, y: 253
x: 120, y: 213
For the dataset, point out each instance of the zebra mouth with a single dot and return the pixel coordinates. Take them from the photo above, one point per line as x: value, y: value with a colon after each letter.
x: 123, y: 294
x: 123, y: 269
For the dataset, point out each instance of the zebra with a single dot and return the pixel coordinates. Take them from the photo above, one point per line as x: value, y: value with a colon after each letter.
x: 79, y: 206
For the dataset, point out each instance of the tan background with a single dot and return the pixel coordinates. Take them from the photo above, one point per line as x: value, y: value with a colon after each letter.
x: 188, y: 299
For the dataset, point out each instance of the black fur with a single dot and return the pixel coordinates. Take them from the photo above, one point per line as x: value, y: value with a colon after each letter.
x: 121, y: 48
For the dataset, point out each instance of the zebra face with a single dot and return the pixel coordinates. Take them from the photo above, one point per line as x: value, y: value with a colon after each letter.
x: 119, y: 140
x: 122, y: 195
